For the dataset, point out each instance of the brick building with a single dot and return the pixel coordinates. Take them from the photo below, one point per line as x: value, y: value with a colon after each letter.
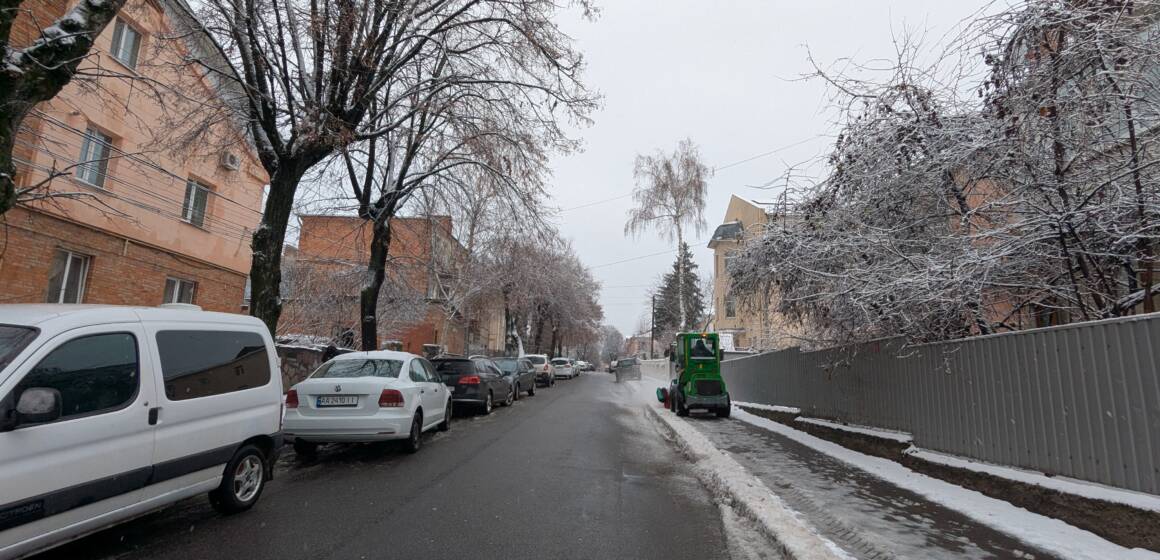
x: 418, y: 306
x: 165, y: 191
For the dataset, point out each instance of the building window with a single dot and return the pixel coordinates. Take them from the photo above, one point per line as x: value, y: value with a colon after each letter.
x: 179, y: 291
x: 730, y: 306
x: 196, y: 197
x: 94, y: 161
x: 66, y: 282
x: 126, y: 44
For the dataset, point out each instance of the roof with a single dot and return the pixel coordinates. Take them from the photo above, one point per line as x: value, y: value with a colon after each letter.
x: 728, y: 231
x: 40, y: 314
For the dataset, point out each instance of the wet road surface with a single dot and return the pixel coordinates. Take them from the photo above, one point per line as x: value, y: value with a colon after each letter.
x: 574, y: 472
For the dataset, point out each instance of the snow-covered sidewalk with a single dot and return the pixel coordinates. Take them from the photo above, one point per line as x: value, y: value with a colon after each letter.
x: 875, y: 508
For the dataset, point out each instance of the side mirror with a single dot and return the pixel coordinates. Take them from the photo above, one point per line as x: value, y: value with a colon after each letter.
x: 38, y: 405
x: 662, y: 394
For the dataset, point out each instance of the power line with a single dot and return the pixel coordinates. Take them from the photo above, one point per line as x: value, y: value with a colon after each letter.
x: 639, y: 257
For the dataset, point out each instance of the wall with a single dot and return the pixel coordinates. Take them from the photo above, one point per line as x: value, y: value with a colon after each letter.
x: 1079, y: 400
x: 168, y: 128
x: 121, y: 271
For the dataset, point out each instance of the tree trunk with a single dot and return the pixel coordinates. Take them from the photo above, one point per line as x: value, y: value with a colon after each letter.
x: 511, y: 339
x: 376, y: 275
x: 552, y: 347
x: 9, y: 124
x: 266, y: 263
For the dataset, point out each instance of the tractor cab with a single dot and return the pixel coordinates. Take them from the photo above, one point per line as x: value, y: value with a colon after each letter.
x: 697, y: 382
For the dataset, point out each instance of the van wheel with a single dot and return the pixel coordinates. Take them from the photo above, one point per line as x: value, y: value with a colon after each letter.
x: 242, y: 483
x: 415, y: 439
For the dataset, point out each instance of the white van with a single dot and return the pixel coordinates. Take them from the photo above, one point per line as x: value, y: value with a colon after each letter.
x: 109, y: 412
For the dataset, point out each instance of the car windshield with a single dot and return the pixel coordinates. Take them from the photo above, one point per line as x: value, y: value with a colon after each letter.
x: 509, y: 365
x: 358, y: 368
x: 455, y: 367
x: 13, y: 339
x: 703, y: 349
x: 538, y: 360
x: 560, y: 362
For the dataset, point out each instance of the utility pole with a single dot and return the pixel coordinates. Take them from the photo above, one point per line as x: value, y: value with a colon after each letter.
x: 652, y: 328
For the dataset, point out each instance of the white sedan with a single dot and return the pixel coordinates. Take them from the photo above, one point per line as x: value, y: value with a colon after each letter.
x: 366, y: 397
x: 562, y: 367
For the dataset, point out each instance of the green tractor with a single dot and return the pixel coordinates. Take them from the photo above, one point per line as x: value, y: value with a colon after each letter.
x: 697, y: 383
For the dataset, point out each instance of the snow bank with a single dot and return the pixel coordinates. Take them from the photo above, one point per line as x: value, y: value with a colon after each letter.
x: 1051, y: 535
x: 726, y: 477
x: 1061, y: 483
x: 901, y: 437
x: 772, y: 407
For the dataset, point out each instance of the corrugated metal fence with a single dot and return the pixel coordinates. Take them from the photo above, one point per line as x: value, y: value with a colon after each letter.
x: 1080, y: 400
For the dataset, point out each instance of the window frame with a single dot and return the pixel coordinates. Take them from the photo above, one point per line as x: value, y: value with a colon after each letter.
x: 189, y: 201
x: 178, y: 282
x: 417, y: 368
x: 126, y: 404
x: 117, y: 44
x: 86, y: 261
x: 94, y: 136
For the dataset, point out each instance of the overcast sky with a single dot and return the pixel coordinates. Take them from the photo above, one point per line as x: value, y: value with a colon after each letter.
x: 723, y: 74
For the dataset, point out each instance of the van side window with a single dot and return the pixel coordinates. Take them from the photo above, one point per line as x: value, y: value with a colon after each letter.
x: 206, y: 363
x: 94, y: 374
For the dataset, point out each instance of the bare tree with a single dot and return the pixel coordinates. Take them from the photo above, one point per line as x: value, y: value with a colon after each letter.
x: 670, y: 196
x: 320, y: 76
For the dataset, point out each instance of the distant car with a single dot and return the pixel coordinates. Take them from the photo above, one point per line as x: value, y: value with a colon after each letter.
x: 543, y: 368
x: 520, y: 373
x: 478, y: 382
x: 562, y: 367
x: 367, y: 397
x: 628, y: 368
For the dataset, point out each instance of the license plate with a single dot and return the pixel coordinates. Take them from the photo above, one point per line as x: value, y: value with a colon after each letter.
x: 337, y: 400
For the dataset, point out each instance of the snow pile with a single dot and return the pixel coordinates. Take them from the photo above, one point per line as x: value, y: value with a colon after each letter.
x: 722, y: 474
x: 771, y: 407
x: 1051, y: 535
x: 901, y: 437
x: 1060, y: 483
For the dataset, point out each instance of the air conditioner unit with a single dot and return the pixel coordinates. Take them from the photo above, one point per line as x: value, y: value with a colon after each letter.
x: 230, y: 160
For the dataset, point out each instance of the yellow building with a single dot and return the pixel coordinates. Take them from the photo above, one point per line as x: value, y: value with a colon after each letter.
x: 751, y: 321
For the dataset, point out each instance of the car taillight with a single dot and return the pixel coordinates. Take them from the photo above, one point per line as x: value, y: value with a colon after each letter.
x: 292, y: 399
x: 390, y: 398
x: 469, y: 380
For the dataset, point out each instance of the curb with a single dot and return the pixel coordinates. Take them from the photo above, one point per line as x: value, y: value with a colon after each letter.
x: 746, y: 494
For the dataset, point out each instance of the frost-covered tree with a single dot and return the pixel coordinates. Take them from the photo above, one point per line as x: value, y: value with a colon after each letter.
x: 670, y: 195
x: 671, y: 308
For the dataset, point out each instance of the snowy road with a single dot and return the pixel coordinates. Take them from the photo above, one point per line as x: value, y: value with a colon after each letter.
x: 577, y: 471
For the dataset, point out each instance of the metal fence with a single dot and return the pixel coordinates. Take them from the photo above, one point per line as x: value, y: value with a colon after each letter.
x: 1080, y: 400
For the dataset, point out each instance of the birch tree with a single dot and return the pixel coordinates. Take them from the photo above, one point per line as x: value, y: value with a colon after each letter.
x: 670, y: 197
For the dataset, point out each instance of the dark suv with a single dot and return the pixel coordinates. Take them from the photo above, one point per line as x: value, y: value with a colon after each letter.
x: 475, y: 381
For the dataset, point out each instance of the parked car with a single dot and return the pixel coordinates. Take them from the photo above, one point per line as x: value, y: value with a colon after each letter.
x: 109, y: 412
x: 475, y: 381
x: 365, y: 397
x: 543, y: 368
x: 562, y: 367
x: 519, y: 373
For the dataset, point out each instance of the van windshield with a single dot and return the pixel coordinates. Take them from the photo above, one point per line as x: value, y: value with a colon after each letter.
x: 358, y: 368
x: 13, y: 339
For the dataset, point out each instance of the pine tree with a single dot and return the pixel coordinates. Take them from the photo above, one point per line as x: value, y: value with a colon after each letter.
x: 667, y: 313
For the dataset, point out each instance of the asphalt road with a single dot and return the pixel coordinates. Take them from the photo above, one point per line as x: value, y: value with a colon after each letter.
x: 575, y: 472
